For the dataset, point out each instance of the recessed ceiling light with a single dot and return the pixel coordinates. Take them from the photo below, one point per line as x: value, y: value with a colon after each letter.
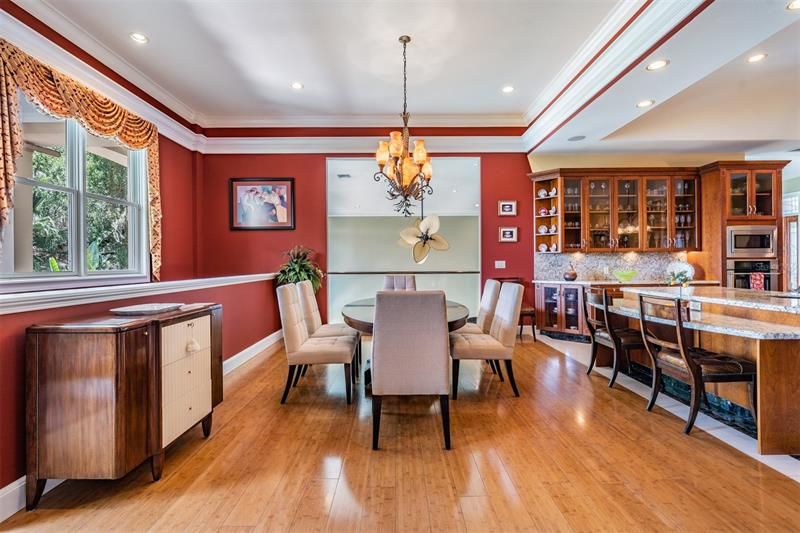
x: 297, y: 85
x: 139, y: 38
x: 577, y: 138
x: 658, y: 64
x: 645, y: 103
x: 454, y: 190
x: 794, y: 5
x: 477, y: 205
x: 508, y: 89
x: 755, y: 58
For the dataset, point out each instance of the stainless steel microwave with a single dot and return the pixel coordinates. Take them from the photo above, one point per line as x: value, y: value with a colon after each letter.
x: 753, y: 241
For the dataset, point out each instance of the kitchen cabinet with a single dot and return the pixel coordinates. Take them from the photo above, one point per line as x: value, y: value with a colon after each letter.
x: 751, y: 194
x: 617, y: 210
x: 559, y: 308
x: 106, y: 394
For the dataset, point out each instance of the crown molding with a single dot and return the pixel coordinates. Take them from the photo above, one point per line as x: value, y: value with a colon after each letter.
x: 658, y: 20
x: 353, y: 145
x: 50, y: 15
x: 360, y: 121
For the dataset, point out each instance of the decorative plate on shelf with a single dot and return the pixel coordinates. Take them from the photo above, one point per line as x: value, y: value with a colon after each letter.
x: 553, y: 210
x: 553, y: 192
x: 543, y: 247
x: 542, y: 229
x: 553, y: 229
x: 542, y: 193
x: 542, y: 211
x: 145, y: 309
x: 554, y: 247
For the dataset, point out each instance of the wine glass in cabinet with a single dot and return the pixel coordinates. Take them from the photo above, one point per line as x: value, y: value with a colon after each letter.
x: 572, y: 224
x: 657, y: 213
x: 597, y: 205
x: 684, y: 214
x: 627, y: 214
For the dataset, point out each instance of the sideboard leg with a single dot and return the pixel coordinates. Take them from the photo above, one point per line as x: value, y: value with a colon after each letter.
x: 157, y: 465
x: 207, y: 424
x: 34, y: 488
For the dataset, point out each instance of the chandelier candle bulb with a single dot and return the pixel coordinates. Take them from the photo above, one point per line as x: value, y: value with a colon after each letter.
x: 420, y: 154
x: 396, y: 144
x: 427, y: 170
x: 382, y: 155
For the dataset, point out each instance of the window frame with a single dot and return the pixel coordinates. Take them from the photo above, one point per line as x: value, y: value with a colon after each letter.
x: 137, y: 203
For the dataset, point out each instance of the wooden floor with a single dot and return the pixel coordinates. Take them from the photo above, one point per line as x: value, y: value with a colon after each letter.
x: 570, y: 454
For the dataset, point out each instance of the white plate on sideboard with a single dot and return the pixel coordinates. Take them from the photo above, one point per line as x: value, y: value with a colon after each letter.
x: 145, y: 309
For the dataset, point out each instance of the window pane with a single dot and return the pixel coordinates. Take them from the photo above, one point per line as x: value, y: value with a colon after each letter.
x: 107, y: 226
x: 43, y: 140
x: 106, y: 167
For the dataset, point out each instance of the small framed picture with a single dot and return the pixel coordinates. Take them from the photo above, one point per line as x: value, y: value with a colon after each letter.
x: 262, y: 203
x: 507, y: 235
x: 507, y: 208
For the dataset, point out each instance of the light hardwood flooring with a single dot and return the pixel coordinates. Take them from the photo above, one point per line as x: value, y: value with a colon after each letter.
x: 570, y: 454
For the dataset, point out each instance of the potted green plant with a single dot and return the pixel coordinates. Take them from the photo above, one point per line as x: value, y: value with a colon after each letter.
x: 300, y: 267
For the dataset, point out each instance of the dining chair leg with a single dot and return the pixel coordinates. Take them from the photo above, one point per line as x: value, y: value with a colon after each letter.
x: 694, y: 404
x: 376, y: 420
x: 288, y: 383
x: 510, y: 372
x: 305, y: 369
x: 456, y: 368
x: 655, y: 388
x: 499, y: 371
x: 491, y: 365
x: 615, y: 369
x: 592, y: 358
x: 297, y: 374
x: 348, y: 386
x: 754, y: 398
x: 444, y: 404
x: 533, y: 328
x: 521, y: 325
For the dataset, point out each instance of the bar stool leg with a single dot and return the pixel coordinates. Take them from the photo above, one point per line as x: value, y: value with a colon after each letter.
x: 592, y: 360
x: 694, y: 406
x: 656, y: 388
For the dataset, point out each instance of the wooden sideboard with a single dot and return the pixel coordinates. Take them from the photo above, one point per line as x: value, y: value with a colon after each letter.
x: 108, y: 393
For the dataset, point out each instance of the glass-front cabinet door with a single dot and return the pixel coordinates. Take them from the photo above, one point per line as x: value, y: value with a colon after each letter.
x: 572, y: 308
x: 656, y: 220
x: 550, y: 303
x: 684, y: 214
x: 598, y: 208
x: 737, y: 192
x: 627, y: 214
x: 572, y: 227
x: 763, y: 197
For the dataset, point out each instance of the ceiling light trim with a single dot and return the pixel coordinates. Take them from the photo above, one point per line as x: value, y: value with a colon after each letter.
x: 639, y: 40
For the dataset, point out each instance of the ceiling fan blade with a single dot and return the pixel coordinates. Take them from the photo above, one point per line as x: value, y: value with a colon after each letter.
x: 430, y: 224
x: 437, y: 242
x: 420, y: 252
x: 410, y: 235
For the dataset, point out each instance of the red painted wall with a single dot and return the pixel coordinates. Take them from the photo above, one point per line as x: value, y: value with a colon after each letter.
x: 249, y: 314
x: 225, y: 252
x: 178, y: 200
x: 504, y: 177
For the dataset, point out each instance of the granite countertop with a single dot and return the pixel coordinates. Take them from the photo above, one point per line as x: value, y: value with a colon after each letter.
x: 725, y: 325
x: 784, y: 302
x: 634, y: 283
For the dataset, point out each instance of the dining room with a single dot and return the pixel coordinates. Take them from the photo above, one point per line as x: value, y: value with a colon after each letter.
x: 399, y: 266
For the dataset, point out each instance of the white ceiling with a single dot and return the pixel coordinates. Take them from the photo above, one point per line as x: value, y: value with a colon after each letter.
x: 353, y: 192
x: 232, y: 62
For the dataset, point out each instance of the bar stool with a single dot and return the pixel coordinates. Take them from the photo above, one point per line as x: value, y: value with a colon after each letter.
x: 684, y: 362
x: 620, y: 340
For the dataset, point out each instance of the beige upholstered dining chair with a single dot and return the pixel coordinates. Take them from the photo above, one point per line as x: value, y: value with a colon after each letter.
x: 313, y: 319
x: 304, y: 350
x: 410, y: 351
x: 498, y: 344
x: 491, y: 292
x: 400, y: 282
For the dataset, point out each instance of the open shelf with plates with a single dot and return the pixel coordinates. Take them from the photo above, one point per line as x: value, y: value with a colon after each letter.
x: 547, y: 215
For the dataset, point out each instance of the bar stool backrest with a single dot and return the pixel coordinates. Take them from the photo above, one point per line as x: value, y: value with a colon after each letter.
x: 653, y: 308
x: 593, y: 296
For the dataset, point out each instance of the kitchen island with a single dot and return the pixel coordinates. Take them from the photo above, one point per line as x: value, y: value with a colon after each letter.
x: 761, y: 326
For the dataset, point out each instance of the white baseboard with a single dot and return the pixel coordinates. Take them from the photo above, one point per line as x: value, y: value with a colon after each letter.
x: 270, y: 342
x: 12, y: 496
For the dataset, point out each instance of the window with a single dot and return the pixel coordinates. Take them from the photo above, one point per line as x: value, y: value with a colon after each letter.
x: 80, y: 209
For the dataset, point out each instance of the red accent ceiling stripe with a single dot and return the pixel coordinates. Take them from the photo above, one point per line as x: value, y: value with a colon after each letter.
x: 510, y: 131
x: 593, y: 59
x: 691, y: 16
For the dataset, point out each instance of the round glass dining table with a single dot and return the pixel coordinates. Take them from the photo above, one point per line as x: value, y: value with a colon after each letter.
x: 360, y: 315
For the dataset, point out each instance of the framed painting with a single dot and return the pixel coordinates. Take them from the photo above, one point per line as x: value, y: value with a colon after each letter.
x: 507, y: 234
x: 507, y: 208
x: 261, y: 203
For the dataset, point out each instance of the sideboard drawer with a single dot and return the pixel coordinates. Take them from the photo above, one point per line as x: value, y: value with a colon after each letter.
x: 185, y: 376
x: 181, y: 339
x: 185, y: 410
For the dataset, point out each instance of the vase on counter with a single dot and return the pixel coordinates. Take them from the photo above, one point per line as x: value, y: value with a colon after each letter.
x: 571, y: 274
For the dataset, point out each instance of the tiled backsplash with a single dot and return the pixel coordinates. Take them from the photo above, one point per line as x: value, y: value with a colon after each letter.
x: 651, y: 266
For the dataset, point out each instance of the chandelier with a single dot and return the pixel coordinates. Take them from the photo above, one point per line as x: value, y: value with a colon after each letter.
x: 407, y: 172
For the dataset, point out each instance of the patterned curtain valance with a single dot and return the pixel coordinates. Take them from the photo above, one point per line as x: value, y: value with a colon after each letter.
x: 64, y: 97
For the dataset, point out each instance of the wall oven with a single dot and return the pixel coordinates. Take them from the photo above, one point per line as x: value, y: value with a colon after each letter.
x: 740, y: 273
x: 753, y: 241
